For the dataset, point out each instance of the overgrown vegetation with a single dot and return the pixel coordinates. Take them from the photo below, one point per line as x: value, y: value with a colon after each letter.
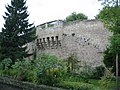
x: 110, y: 16
x: 107, y: 78
x: 76, y: 16
x: 72, y: 63
x: 46, y: 69
x: 49, y: 70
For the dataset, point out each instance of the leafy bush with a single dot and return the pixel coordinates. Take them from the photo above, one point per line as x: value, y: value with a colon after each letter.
x: 76, y: 16
x: 76, y: 85
x: 86, y: 72
x: 20, y: 68
x: 73, y: 77
x: 5, y: 64
x: 31, y: 75
x: 1, y: 72
x: 107, y: 78
x: 110, y: 55
x: 46, y: 62
x: 72, y: 63
x: 49, y: 69
x: 98, y: 72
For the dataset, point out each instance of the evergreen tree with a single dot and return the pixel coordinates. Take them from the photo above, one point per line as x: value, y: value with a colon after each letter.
x: 17, y: 32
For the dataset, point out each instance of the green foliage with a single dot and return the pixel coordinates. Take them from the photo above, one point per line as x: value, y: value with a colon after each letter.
x: 73, y: 77
x: 76, y: 85
x: 5, y: 64
x: 109, y: 2
x: 72, y: 63
x: 17, y: 32
x: 74, y: 16
x: 46, y: 61
x: 21, y: 68
x: 86, y: 72
x: 110, y: 15
x: 109, y: 60
x: 49, y: 68
x: 31, y: 75
x: 107, y: 78
x: 98, y: 72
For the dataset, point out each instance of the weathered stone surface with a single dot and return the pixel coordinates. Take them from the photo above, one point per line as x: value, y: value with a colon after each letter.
x: 9, y: 84
x: 88, y: 39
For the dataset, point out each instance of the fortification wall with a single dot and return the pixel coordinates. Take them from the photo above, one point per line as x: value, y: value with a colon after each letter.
x: 88, y: 39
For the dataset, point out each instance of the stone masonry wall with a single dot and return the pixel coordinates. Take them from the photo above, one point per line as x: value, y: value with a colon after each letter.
x: 6, y: 83
x: 88, y: 39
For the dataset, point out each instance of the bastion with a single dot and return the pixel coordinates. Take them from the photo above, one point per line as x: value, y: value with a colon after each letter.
x: 87, y: 39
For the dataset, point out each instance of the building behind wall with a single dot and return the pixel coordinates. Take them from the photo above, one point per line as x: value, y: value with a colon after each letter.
x: 88, y: 39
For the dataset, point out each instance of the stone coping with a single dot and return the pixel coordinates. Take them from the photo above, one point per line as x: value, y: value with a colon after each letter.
x: 25, y: 85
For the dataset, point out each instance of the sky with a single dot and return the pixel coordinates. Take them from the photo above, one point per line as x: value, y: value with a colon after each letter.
x: 42, y: 11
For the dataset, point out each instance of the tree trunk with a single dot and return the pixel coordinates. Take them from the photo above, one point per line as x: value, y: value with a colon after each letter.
x: 117, y: 87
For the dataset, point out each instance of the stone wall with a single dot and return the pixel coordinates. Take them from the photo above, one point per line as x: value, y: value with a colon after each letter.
x: 88, y: 39
x: 7, y: 83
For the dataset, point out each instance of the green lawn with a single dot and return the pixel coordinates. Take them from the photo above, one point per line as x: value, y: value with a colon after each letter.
x: 97, y: 85
x: 93, y: 84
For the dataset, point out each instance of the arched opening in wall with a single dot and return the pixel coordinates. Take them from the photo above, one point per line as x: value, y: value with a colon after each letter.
x: 48, y: 42
x: 56, y: 41
x: 38, y: 42
x: 41, y: 44
x: 52, y: 42
x: 44, y: 43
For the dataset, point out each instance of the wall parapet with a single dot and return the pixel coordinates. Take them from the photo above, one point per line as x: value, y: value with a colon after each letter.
x: 51, y: 24
x: 79, y: 21
x: 59, y: 24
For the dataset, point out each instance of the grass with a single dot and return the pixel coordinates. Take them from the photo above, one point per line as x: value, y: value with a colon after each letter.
x: 77, y: 80
x: 92, y: 84
x: 97, y: 85
x: 76, y: 85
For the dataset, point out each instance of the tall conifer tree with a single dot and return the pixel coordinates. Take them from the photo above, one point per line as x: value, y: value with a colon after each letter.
x: 17, y: 31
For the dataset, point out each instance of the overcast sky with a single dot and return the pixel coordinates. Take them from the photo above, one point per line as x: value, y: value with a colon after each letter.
x: 47, y: 10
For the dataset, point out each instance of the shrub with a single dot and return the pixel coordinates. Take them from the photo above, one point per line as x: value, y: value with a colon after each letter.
x: 107, y: 78
x: 98, y: 72
x: 109, y: 60
x: 1, y: 72
x: 72, y: 63
x: 86, y: 72
x: 76, y: 85
x: 49, y: 69
x: 20, y: 68
x: 5, y: 64
x: 73, y: 77
x: 31, y: 75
